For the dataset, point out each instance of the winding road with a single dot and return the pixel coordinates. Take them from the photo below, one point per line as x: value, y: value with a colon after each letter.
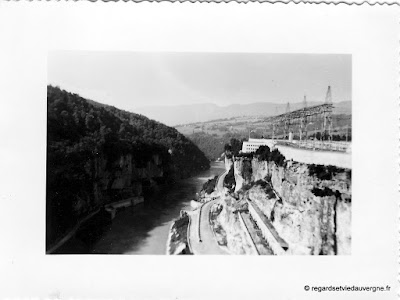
x: 201, y: 236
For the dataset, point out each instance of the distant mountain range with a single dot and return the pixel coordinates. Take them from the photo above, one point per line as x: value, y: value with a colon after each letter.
x: 185, y: 114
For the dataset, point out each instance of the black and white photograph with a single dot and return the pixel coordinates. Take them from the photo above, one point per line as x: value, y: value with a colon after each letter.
x: 198, y: 153
x: 186, y: 151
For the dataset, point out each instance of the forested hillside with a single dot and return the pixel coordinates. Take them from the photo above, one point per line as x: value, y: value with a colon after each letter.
x: 211, y: 144
x: 90, y: 146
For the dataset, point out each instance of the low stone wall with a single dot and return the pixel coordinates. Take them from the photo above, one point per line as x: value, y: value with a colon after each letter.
x: 271, y: 238
x: 248, y: 236
x: 137, y: 200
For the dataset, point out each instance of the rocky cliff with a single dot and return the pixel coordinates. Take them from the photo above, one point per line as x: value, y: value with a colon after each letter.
x: 243, y: 172
x: 121, y: 179
x: 309, y: 206
x: 100, y: 180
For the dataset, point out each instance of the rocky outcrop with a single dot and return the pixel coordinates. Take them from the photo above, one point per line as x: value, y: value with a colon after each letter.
x: 236, y: 240
x: 177, y: 242
x: 260, y: 169
x: 242, y: 172
x: 311, y: 214
x: 343, y: 226
x: 265, y: 200
x: 121, y: 179
x: 228, y: 163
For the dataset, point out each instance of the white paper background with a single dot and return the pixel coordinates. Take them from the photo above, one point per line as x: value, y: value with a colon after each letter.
x: 29, y: 30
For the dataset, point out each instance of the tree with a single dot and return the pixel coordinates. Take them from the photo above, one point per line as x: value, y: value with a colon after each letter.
x: 263, y: 153
x: 236, y: 146
x: 228, y: 147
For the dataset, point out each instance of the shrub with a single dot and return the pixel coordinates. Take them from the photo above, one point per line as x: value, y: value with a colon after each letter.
x: 228, y: 147
x: 261, y: 183
x: 209, y: 186
x: 246, y: 187
x: 229, y: 180
x: 267, y: 178
x: 271, y: 194
x: 245, y: 155
x: 263, y: 153
x: 323, y: 172
x: 236, y: 145
x: 277, y: 157
x: 323, y: 192
x: 320, y: 171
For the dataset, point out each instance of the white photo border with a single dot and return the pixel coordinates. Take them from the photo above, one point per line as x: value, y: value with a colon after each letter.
x: 29, y: 30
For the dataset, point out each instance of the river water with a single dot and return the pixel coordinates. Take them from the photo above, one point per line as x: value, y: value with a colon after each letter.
x: 144, y: 229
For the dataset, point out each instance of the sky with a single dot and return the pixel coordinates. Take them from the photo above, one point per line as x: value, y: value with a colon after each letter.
x: 130, y: 80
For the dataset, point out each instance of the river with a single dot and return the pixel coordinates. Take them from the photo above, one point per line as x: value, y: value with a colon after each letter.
x: 144, y: 229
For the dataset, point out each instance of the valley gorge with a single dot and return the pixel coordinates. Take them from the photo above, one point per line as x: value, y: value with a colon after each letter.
x: 98, y: 155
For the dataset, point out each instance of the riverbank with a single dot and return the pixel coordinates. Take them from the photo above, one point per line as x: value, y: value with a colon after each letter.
x: 201, y: 237
x: 144, y: 229
x: 178, y: 242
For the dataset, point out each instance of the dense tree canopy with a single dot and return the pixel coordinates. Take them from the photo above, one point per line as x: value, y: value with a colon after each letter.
x: 234, y: 147
x: 76, y: 125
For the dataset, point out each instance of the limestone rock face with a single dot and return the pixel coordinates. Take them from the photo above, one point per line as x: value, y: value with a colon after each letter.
x: 123, y: 178
x: 235, y: 237
x: 228, y: 163
x: 243, y: 172
x: 298, y: 228
x: 265, y: 201
x: 312, y: 215
x: 260, y: 169
x: 343, y: 226
x: 239, y: 182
